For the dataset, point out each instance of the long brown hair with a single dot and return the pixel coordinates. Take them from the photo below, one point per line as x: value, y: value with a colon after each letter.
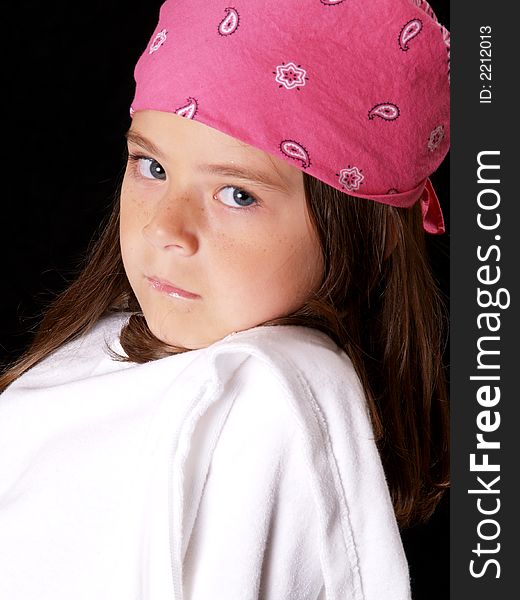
x: 378, y: 301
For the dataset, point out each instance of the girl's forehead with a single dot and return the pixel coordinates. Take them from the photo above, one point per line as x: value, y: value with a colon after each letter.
x: 171, y: 128
x: 163, y: 133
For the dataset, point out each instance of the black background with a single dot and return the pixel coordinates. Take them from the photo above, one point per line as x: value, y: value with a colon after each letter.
x: 70, y: 84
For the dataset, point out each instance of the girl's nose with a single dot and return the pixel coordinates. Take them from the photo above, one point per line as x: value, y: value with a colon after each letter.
x: 172, y: 225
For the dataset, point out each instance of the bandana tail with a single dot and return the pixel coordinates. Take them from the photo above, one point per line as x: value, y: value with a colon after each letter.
x: 433, y: 221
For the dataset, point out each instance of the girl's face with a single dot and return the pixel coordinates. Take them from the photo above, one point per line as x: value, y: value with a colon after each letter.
x: 215, y: 234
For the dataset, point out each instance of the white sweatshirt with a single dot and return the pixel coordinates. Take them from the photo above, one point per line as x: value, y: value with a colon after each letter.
x: 246, y: 470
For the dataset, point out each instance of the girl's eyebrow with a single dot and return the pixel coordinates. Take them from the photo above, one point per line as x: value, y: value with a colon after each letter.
x: 226, y: 170
x: 245, y: 174
x: 137, y: 138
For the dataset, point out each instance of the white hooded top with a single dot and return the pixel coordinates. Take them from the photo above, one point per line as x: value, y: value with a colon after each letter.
x: 242, y: 471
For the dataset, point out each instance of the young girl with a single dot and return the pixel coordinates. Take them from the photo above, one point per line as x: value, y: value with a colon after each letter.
x: 241, y: 396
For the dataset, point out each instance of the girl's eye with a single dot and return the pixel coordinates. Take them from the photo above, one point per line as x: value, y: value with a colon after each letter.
x: 147, y: 167
x: 235, y: 197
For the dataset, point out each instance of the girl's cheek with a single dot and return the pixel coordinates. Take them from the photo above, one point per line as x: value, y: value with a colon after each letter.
x: 130, y: 223
x: 133, y: 203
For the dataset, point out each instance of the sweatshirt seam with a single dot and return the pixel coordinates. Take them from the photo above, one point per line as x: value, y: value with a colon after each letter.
x: 346, y: 528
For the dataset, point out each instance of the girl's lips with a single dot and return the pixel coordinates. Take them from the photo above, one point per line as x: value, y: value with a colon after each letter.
x: 168, y: 288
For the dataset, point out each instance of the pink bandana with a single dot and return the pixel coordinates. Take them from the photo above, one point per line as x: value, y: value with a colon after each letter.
x: 354, y: 93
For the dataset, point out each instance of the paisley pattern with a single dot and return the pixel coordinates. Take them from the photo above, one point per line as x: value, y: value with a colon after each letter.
x: 350, y: 178
x: 331, y: 2
x: 385, y: 110
x: 290, y: 76
x: 436, y: 137
x: 392, y: 191
x: 230, y: 22
x: 189, y: 110
x: 408, y: 32
x: 158, y: 41
x: 294, y: 150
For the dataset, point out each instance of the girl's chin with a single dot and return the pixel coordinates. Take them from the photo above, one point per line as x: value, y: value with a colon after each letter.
x: 181, y: 335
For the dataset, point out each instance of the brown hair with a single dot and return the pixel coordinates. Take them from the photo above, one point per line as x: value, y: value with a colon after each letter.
x: 378, y: 301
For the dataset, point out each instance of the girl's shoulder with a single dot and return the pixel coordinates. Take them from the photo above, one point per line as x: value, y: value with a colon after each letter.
x: 79, y: 357
x: 291, y: 375
x: 299, y: 359
x: 292, y: 444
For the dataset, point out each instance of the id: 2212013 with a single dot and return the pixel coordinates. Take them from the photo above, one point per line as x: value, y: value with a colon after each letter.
x: 485, y: 64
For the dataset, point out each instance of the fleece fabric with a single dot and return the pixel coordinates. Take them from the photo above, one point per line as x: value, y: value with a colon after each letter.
x: 242, y: 471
